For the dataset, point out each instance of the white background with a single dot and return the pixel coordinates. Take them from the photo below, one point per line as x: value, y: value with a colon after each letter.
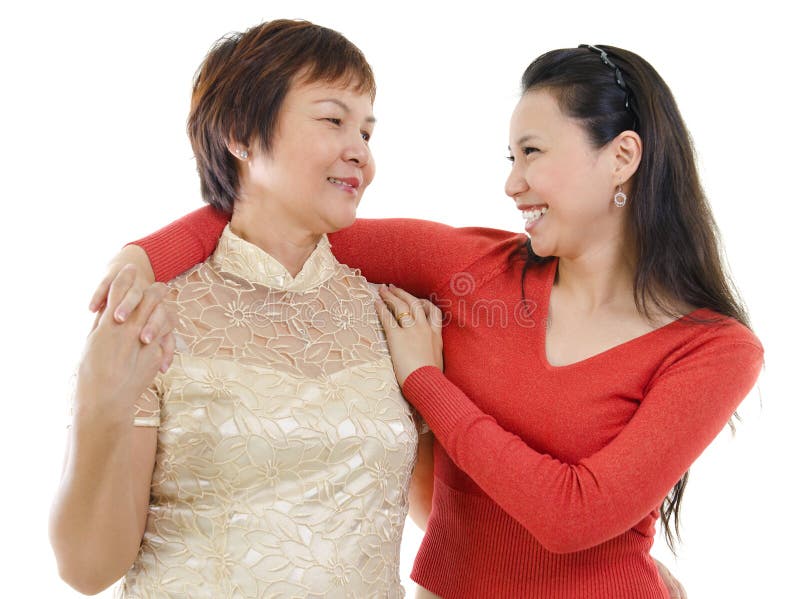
x: 93, y: 105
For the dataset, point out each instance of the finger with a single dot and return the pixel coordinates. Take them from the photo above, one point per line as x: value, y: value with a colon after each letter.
x: 101, y: 293
x: 415, y: 305
x: 387, y: 319
x: 167, y: 343
x: 395, y: 304
x: 405, y: 296
x: 160, y: 322
x: 119, y: 287
x: 434, y: 315
x: 152, y: 356
x: 128, y: 303
x: 132, y: 298
x: 97, y: 318
x: 152, y: 297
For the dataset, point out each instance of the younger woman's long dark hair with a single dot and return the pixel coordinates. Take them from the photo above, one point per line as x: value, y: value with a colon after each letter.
x: 676, y: 240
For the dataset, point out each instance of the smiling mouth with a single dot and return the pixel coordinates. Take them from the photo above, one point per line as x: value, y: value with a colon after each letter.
x: 348, y: 182
x: 532, y: 215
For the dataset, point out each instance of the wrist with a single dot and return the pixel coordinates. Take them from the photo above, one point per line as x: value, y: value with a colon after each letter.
x: 136, y: 255
x: 92, y: 409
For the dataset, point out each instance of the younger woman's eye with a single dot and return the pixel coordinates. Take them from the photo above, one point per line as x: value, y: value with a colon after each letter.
x: 510, y: 158
x: 365, y: 135
x: 529, y: 150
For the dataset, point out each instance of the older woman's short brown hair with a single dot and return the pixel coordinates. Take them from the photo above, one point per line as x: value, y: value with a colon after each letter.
x: 240, y: 87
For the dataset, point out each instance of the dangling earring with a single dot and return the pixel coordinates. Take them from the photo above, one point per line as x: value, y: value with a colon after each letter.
x: 620, y: 199
x: 243, y: 154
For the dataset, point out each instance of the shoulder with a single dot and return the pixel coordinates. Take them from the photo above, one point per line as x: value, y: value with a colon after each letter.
x: 195, y: 282
x: 706, y: 344
x: 715, y: 330
x: 348, y: 282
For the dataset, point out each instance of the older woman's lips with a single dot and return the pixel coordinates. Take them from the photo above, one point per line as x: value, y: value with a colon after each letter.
x: 346, y: 183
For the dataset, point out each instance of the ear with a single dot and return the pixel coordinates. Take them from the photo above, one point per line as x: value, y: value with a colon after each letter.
x: 238, y: 150
x: 627, y: 148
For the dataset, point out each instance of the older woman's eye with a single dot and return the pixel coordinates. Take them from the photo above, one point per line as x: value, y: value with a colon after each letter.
x: 334, y: 120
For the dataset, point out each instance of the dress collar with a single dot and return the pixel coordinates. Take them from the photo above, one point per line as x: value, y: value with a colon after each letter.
x: 242, y: 258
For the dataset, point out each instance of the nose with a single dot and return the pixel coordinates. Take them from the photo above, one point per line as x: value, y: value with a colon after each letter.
x: 357, y: 151
x: 516, y: 183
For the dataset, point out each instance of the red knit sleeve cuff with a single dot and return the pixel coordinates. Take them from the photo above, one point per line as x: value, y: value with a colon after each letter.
x: 443, y: 405
x: 178, y: 246
x: 169, y: 249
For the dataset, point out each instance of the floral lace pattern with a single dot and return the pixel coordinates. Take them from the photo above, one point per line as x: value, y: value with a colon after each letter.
x: 285, y: 448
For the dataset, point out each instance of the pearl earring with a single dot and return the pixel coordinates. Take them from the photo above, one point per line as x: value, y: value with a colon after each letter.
x: 243, y: 154
x: 620, y: 199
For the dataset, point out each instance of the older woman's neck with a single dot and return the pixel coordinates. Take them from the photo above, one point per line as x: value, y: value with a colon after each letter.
x: 276, y: 233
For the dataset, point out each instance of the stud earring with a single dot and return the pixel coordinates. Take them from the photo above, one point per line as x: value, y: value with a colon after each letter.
x: 620, y: 199
x: 243, y: 154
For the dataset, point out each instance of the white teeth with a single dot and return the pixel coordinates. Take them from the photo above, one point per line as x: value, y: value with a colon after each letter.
x: 533, y: 215
x: 338, y: 181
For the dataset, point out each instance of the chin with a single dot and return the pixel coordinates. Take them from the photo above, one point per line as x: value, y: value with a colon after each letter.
x: 338, y: 222
x: 542, y: 250
x: 347, y: 215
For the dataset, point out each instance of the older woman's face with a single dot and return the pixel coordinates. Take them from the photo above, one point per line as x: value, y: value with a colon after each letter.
x: 319, y: 163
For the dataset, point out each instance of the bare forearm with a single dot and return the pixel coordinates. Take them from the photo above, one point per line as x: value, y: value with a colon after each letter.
x: 419, y: 505
x: 96, y: 522
x: 99, y: 513
x: 420, y: 493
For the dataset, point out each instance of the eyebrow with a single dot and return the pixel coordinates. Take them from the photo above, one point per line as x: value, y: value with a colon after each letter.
x: 526, y: 138
x: 343, y: 106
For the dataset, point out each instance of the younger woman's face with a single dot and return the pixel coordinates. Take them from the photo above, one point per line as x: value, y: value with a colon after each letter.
x: 319, y: 163
x: 562, y: 184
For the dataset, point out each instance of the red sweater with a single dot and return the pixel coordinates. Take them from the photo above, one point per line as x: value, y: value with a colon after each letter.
x: 547, y: 479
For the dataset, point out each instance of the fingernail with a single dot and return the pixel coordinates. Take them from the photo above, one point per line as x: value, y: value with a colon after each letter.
x: 120, y: 315
x: 391, y: 286
x: 147, y: 337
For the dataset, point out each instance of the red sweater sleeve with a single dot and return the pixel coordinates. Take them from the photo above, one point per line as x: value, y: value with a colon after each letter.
x: 184, y: 242
x: 417, y: 255
x: 571, y: 507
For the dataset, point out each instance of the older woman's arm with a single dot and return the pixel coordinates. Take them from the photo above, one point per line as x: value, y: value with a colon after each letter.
x: 99, y: 514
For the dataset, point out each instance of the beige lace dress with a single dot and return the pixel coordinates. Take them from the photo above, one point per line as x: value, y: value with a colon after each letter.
x: 285, y: 448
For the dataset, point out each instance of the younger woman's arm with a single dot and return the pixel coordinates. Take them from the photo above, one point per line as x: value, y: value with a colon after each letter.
x: 570, y: 507
x: 420, y: 492
x: 417, y: 255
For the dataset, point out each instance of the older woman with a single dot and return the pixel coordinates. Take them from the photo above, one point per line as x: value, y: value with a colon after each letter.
x: 273, y: 458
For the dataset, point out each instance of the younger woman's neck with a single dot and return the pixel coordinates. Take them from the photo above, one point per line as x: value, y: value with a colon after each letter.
x: 275, y: 233
x: 598, y: 278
